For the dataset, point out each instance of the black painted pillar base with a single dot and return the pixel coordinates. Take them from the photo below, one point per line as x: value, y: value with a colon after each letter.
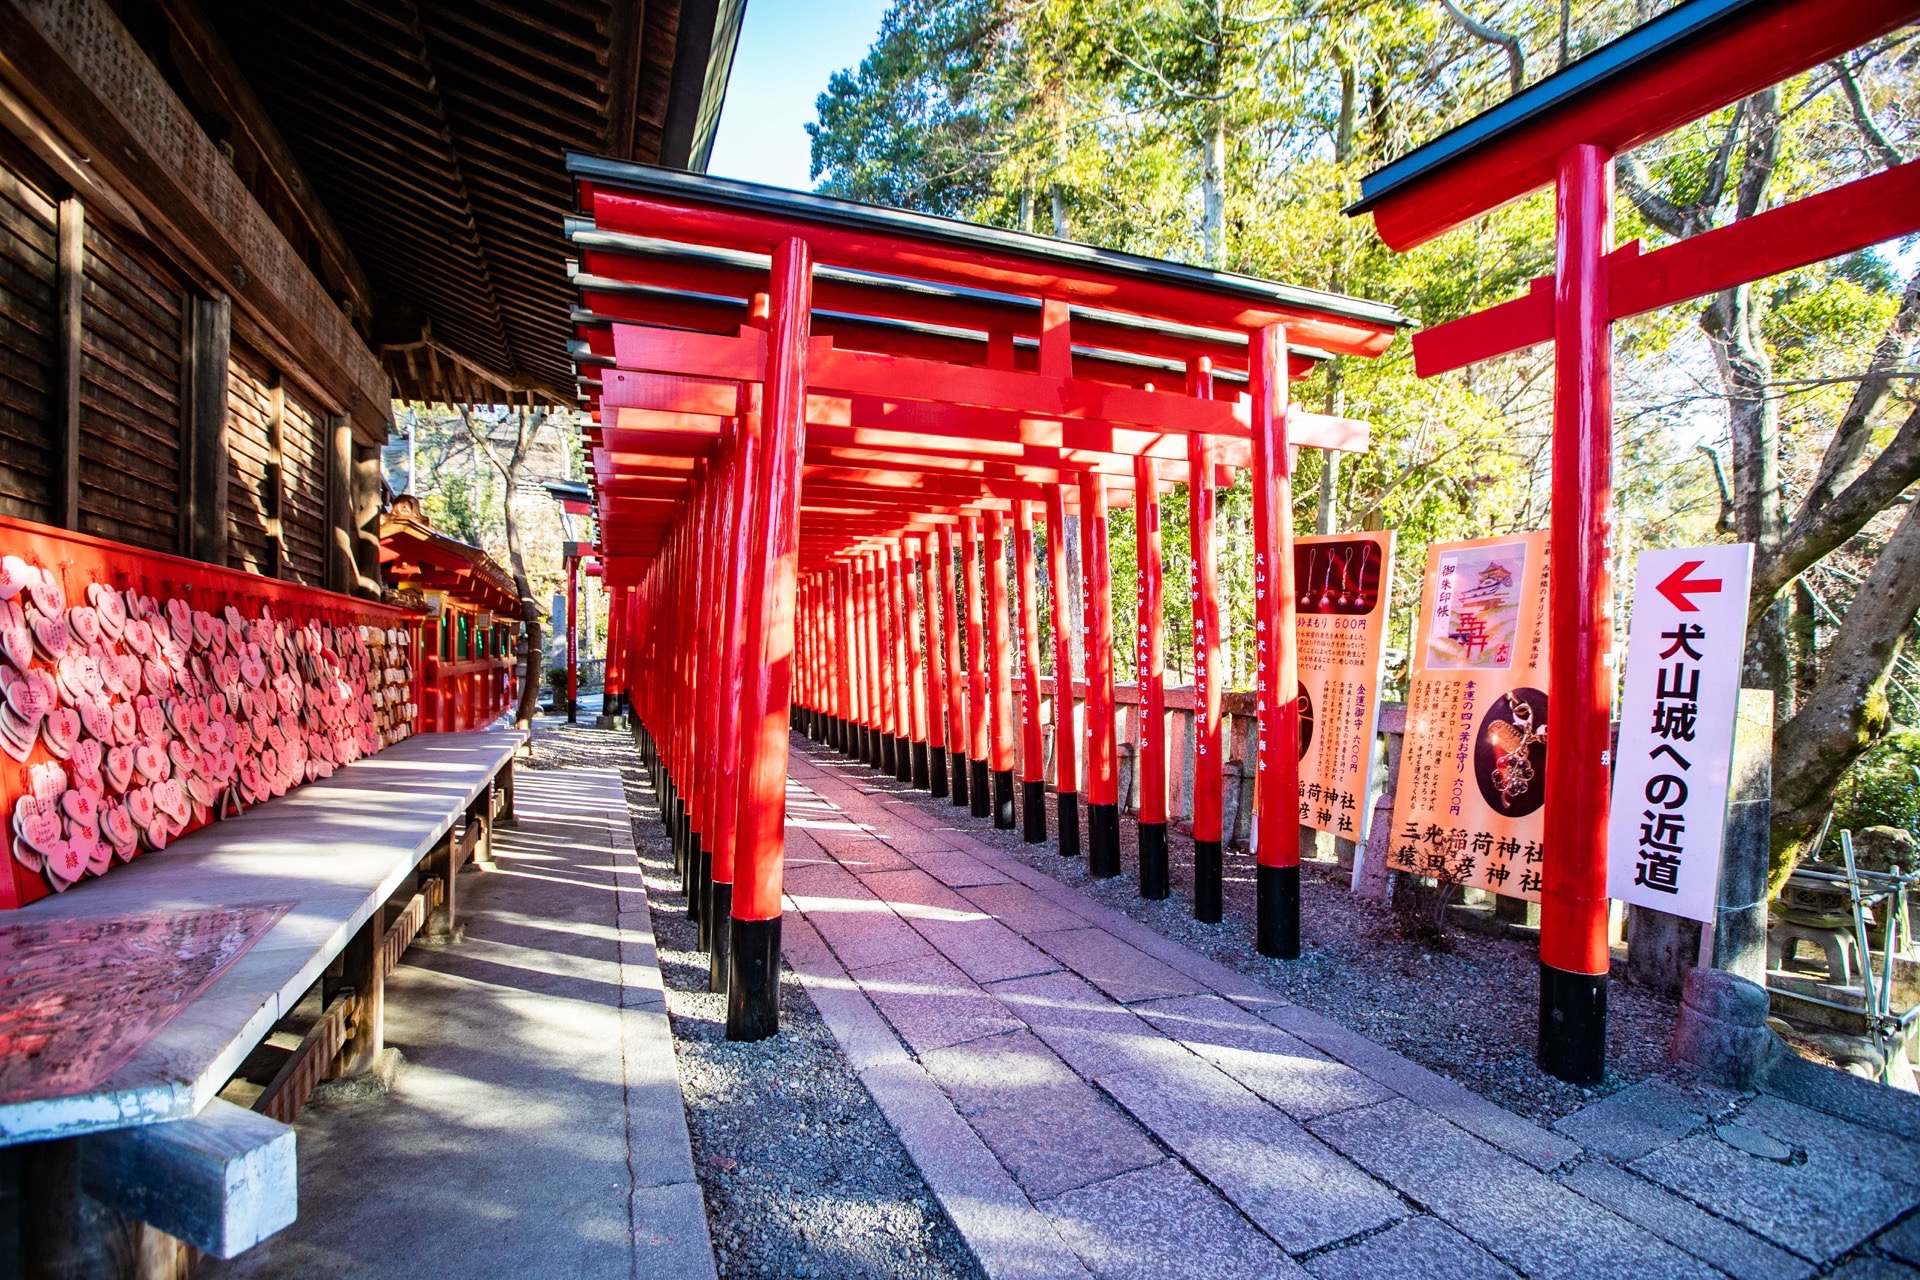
x: 753, y: 980
x: 1066, y: 809
x: 1103, y: 840
x: 1573, y: 1025
x: 720, y: 911
x: 1033, y: 812
x: 922, y: 770
x: 980, y: 789
x: 703, y: 895
x: 1003, y: 799
x: 690, y: 883
x: 886, y: 762
x: 937, y: 771
x: 1276, y: 911
x: 864, y: 753
x: 903, y: 760
x: 1153, y: 860
x: 958, y: 760
x: 675, y: 837
x: 1207, y: 876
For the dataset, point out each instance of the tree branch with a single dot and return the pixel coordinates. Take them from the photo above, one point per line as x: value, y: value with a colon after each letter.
x: 1851, y: 436
x: 1516, y: 56
x: 1877, y: 141
x: 1654, y: 207
x: 1817, y: 534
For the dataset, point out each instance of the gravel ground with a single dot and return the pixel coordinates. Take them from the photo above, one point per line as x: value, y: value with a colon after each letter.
x: 1470, y: 1014
x: 802, y: 1174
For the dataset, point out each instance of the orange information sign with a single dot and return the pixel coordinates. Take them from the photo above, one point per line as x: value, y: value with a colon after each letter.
x: 1340, y: 625
x: 1473, y: 766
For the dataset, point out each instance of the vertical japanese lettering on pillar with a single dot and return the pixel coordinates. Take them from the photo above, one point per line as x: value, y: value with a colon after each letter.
x: 1473, y: 766
x: 1681, y: 699
x: 1340, y: 624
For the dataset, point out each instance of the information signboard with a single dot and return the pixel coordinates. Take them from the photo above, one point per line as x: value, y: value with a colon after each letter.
x: 1685, y: 647
x: 1473, y: 765
x: 1340, y: 624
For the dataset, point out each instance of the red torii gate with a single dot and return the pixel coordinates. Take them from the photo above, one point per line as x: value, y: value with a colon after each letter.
x: 801, y: 401
x: 1692, y: 60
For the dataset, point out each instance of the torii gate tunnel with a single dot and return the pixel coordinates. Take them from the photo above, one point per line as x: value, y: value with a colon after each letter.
x: 811, y: 413
x: 1565, y: 131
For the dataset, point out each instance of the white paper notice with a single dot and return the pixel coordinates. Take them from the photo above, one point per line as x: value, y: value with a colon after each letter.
x: 1682, y: 693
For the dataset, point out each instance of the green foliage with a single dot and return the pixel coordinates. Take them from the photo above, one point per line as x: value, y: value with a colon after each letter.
x: 1101, y: 121
x: 1883, y: 788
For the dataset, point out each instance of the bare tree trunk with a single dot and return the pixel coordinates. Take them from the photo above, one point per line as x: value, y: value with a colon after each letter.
x: 529, y: 606
x: 1213, y: 189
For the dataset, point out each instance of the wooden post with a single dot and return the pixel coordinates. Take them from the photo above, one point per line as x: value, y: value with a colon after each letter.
x: 70, y: 274
x: 1103, y: 794
x: 753, y: 986
x: 573, y: 639
x: 1209, y: 742
x: 902, y: 681
x: 1066, y: 774
x: 978, y: 783
x: 1033, y: 773
x: 276, y: 476
x: 956, y: 678
x: 935, y: 613
x: 916, y: 694
x: 1574, y: 957
x: 366, y: 530
x: 341, y: 570
x: 1276, y: 805
x: 443, y: 920
x: 206, y: 439
x: 364, y: 975
x: 1150, y: 760
x: 999, y: 671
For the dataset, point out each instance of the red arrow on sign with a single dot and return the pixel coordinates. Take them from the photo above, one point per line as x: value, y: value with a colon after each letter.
x: 1677, y: 586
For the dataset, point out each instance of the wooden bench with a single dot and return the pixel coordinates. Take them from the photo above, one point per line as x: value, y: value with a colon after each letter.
x: 154, y: 1140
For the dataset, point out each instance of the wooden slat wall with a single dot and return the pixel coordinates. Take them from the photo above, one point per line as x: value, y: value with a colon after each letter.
x: 250, y: 409
x: 304, y: 459
x: 130, y: 389
x: 28, y: 247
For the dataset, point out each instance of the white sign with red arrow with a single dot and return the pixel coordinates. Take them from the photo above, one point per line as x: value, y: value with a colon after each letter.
x: 1677, y: 713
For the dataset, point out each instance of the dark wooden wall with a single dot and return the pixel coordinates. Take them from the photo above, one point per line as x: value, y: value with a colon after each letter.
x: 29, y: 359
x: 130, y: 409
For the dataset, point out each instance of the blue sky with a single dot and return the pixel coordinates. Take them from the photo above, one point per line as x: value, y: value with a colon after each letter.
x: 788, y: 49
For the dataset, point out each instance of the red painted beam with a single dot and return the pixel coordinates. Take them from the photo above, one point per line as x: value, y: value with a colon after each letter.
x: 1839, y: 221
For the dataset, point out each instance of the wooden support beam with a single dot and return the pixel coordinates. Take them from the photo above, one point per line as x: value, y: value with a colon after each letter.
x: 290, y: 1087
x: 222, y: 1181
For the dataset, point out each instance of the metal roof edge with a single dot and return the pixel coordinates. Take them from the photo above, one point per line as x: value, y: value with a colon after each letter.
x: 777, y: 201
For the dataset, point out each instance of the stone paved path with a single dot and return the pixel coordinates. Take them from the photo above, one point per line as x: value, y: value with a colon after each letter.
x: 1088, y: 1098
x: 537, y: 1127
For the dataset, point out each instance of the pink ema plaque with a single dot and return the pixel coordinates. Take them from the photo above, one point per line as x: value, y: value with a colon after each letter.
x: 78, y: 998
